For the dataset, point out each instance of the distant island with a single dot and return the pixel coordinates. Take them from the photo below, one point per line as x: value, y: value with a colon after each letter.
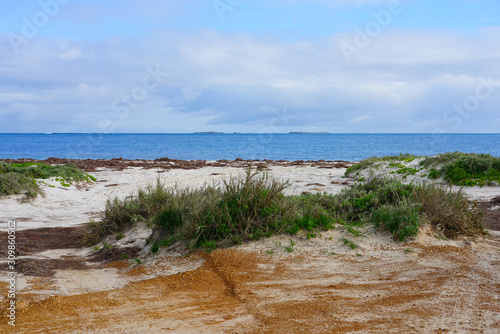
x: 294, y: 132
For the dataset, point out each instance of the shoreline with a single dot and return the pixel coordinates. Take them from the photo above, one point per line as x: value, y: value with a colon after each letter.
x: 90, y: 165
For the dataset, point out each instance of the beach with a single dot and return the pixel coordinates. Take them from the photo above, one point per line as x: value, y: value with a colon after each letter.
x: 423, y: 285
x: 234, y: 166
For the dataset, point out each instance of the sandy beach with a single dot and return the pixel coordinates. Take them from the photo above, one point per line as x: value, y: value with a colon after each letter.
x: 426, y: 285
x: 233, y: 166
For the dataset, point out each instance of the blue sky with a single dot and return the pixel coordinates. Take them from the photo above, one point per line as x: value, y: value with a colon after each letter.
x: 250, y: 66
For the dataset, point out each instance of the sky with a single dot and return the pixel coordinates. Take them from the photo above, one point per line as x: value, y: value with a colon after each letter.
x: 179, y: 66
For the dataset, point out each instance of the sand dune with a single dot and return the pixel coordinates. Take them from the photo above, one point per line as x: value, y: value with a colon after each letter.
x: 427, y: 285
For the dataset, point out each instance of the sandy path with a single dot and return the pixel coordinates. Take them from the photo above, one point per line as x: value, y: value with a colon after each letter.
x: 450, y: 288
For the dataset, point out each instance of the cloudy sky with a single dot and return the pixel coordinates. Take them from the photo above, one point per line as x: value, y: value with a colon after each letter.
x: 250, y: 66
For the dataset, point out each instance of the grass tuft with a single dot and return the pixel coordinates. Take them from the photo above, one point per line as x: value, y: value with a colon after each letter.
x: 255, y: 207
x: 13, y: 183
x: 21, y: 178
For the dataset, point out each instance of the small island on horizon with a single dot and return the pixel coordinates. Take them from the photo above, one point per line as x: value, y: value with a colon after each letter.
x: 307, y: 132
x: 292, y: 132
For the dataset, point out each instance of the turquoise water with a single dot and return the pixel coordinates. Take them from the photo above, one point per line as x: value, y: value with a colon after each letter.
x: 246, y: 146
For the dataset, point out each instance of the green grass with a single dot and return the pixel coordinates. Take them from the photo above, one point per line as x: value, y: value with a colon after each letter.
x: 255, y: 207
x: 13, y: 183
x: 405, y: 171
x: 349, y: 243
x: 458, y: 168
x: 396, y: 165
x: 154, y: 247
x: 464, y: 169
x: 401, y: 219
x: 168, y: 241
x: 239, y: 210
x: 19, y: 178
x: 448, y: 210
x: 353, y: 231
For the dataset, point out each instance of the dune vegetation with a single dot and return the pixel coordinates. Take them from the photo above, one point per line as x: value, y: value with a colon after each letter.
x: 464, y: 169
x: 456, y: 168
x: 22, y: 178
x: 255, y: 207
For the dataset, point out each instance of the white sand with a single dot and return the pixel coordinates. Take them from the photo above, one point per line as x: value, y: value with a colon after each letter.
x: 457, y: 277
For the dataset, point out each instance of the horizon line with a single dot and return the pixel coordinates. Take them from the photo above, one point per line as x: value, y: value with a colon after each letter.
x: 252, y: 133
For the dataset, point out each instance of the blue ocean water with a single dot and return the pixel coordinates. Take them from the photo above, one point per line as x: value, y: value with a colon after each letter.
x: 204, y: 146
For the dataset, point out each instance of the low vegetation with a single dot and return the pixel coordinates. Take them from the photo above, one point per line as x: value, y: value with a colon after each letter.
x: 457, y: 168
x: 367, y: 163
x: 13, y: 183
x: 255, y: 206
x: 22, y: 178
x: 208, y: 217
x: 464, y: 169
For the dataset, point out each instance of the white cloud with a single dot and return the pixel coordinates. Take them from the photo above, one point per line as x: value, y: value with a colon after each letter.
x: 221, y: 81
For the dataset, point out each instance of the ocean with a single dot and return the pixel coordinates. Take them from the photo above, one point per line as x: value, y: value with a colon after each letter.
x: 216, y: 146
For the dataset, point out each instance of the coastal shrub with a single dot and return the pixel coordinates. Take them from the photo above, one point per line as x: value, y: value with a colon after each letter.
x: 13, y: 183
x: 448, y: 210
x: 17, y: 178
x: 119, y: 215
x: 248, y: 208
x: 464, y: 169
x: 313, y: 212
x: 458, y: 168
x: 253, y: 207
x: 169, y: 219
x: 401, y: 219
x: 403, y: 208
x: 68, y: 172
x: 237, y: 210
x: 434, y: 174
x: 358, y: 202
